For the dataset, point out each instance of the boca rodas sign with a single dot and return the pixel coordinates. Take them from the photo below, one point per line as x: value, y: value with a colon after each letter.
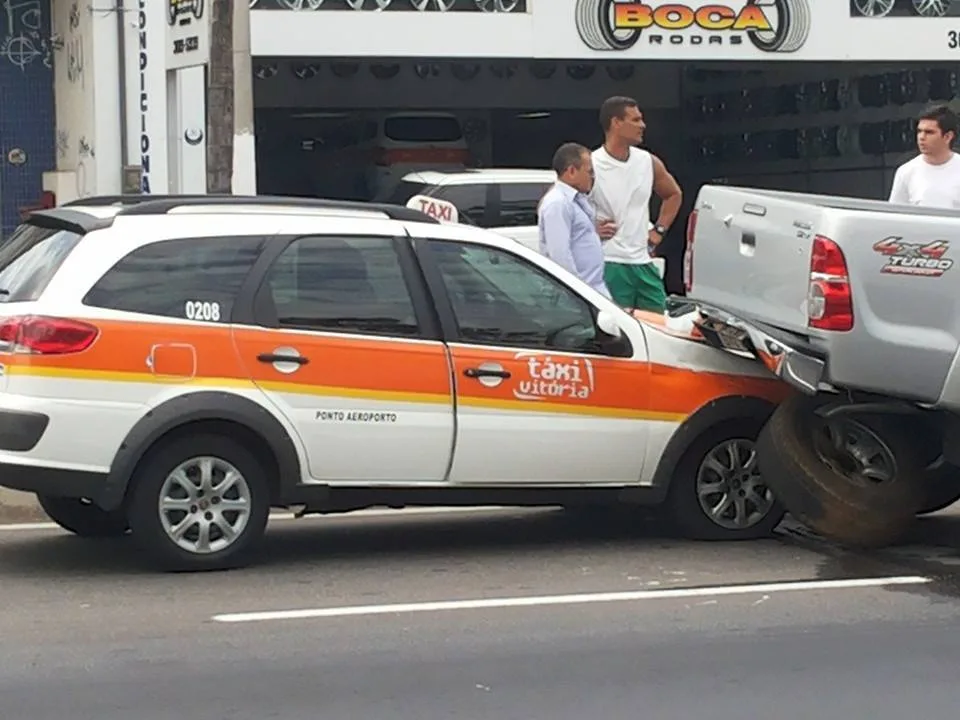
x: 771, y: 26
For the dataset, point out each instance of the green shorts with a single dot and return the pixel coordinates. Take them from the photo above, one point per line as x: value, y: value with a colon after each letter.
x: 635, y: 287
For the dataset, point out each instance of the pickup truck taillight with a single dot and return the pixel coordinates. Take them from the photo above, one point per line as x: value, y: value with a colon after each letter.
x: 829, y: 301
x: 688, y: 252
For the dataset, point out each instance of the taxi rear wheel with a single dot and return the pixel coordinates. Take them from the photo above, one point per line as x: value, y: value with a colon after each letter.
x: 83, y: 518
x: 199, y: 503
x: 717, y: 491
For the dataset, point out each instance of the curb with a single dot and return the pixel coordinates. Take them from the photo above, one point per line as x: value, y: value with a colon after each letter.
x: 19, y: 507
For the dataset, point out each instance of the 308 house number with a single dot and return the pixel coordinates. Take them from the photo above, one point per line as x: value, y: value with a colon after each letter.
x: 196, y: 310
x: 953, y: 39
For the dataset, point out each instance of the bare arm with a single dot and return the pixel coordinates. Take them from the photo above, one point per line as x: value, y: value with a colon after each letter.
x: 669, y: 192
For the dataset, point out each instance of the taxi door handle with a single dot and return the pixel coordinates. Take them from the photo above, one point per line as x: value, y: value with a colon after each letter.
x: 485, y: 372
x: 276, y: 358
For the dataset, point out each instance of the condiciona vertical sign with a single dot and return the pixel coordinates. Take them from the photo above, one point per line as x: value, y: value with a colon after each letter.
x: 168, y: 35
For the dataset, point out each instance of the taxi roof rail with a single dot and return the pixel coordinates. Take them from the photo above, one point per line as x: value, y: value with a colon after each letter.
x: 162, y: 204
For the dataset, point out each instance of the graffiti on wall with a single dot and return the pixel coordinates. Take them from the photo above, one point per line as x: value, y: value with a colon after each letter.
x: 28, y: 126
x: 22, y: 42
x: 74, y: 47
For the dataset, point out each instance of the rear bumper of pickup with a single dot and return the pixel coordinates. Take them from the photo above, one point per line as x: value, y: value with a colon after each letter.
x: 788, y: 357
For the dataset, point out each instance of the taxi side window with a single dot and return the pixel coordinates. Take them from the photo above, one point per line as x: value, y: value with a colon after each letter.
x: 501, y: 299
x: 191, y: 278
x: 342, y: 284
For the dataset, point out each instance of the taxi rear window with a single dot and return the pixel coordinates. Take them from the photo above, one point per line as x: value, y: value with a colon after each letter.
x: 29, y: 259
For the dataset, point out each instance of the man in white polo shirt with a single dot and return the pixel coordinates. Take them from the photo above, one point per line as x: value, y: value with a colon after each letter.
x: 626, y: 177
x: 932, y: 178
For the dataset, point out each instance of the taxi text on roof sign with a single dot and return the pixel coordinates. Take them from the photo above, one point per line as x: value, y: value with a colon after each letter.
x: 445, y: 212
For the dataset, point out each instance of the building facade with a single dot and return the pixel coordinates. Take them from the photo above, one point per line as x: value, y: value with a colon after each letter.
x: 97, y: 98
x: 27, y: 123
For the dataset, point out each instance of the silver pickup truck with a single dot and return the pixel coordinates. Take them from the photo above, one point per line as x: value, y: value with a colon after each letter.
x: 853, y: 303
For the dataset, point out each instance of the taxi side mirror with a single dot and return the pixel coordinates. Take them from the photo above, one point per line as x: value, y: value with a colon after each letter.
x: 608, y: 324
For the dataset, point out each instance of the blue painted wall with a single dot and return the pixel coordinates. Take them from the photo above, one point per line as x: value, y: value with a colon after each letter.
x: 27, y: 116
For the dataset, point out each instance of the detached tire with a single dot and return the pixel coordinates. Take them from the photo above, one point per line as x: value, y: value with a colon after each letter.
x: 717, y: 491
x: 83, y: 518
x: 830, y: 494
x: 199, y: 502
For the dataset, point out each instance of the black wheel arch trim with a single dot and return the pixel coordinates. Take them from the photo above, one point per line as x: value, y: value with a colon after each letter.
x: 194, y: 407
x: 714, y: 413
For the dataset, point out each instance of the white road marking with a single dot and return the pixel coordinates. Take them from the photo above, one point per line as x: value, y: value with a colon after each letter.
x: 577, y: 599
x: 12, y: 527
x: 285, y: 516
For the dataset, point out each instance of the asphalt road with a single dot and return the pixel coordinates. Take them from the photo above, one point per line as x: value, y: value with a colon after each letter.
x: 417, y: 617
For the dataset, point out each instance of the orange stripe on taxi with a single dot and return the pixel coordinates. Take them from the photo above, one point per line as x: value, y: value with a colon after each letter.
x: 391, y: 371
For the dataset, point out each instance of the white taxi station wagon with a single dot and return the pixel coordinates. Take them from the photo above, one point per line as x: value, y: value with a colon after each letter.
x: 173, y: 367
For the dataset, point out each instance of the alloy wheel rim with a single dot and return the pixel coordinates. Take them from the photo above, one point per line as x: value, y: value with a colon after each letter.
x: 730, y: 489
x: 204, y: 505
x: 874, y: 8
x: 931, y: 8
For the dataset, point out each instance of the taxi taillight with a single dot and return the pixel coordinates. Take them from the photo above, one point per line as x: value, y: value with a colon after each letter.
x: 40, y: 335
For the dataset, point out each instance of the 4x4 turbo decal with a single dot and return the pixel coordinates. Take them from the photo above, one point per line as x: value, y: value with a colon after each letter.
x: 922, y: 259
x: 771, y: 25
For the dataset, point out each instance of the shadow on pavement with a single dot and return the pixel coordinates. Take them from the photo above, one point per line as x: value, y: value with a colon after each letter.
x: 316, y: 541
x: 319, y: 542
x: 931, y: 549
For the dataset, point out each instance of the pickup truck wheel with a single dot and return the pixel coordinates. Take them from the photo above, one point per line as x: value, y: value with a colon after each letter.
x: 940, y: 479
x: 83, y: 518
x: 856, y: 480
x: 941, y: 487
x: 199, y: 503
x: 717, y: 491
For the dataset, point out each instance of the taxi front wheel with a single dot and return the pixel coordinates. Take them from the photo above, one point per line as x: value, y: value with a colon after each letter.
x: 199, y: 502
x: 717, y: 491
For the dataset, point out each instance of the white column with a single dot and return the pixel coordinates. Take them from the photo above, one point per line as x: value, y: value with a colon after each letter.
x: 189, y: 139
x: 244, y: 144
x: 103, y: 49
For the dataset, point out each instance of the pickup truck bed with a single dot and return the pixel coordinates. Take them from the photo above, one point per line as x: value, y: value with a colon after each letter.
x: 855, y: 294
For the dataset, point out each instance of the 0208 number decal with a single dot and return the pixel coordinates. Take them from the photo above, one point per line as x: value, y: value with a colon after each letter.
x: 196, y: 310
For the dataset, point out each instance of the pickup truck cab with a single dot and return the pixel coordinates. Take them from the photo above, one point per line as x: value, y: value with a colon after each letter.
x: 852, y: 303
x: 176, y: 366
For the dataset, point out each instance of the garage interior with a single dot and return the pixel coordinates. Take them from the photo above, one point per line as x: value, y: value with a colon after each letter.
x: 835, y: 128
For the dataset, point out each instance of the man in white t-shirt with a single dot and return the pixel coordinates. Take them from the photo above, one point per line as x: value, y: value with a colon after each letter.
x: 626, y: 178
x: 932, y: 178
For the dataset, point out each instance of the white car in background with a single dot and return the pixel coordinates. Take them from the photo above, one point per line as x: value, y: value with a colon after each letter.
x: 500, y: 199
x: 503, y: 200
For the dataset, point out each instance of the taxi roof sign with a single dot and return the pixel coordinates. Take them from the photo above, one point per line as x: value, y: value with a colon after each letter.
x: 441, y: 210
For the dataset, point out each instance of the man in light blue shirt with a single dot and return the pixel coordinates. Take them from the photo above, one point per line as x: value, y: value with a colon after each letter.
x: 567, y: 221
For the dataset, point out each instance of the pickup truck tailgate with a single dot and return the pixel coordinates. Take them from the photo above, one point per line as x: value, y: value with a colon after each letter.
x: 751, y: 253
